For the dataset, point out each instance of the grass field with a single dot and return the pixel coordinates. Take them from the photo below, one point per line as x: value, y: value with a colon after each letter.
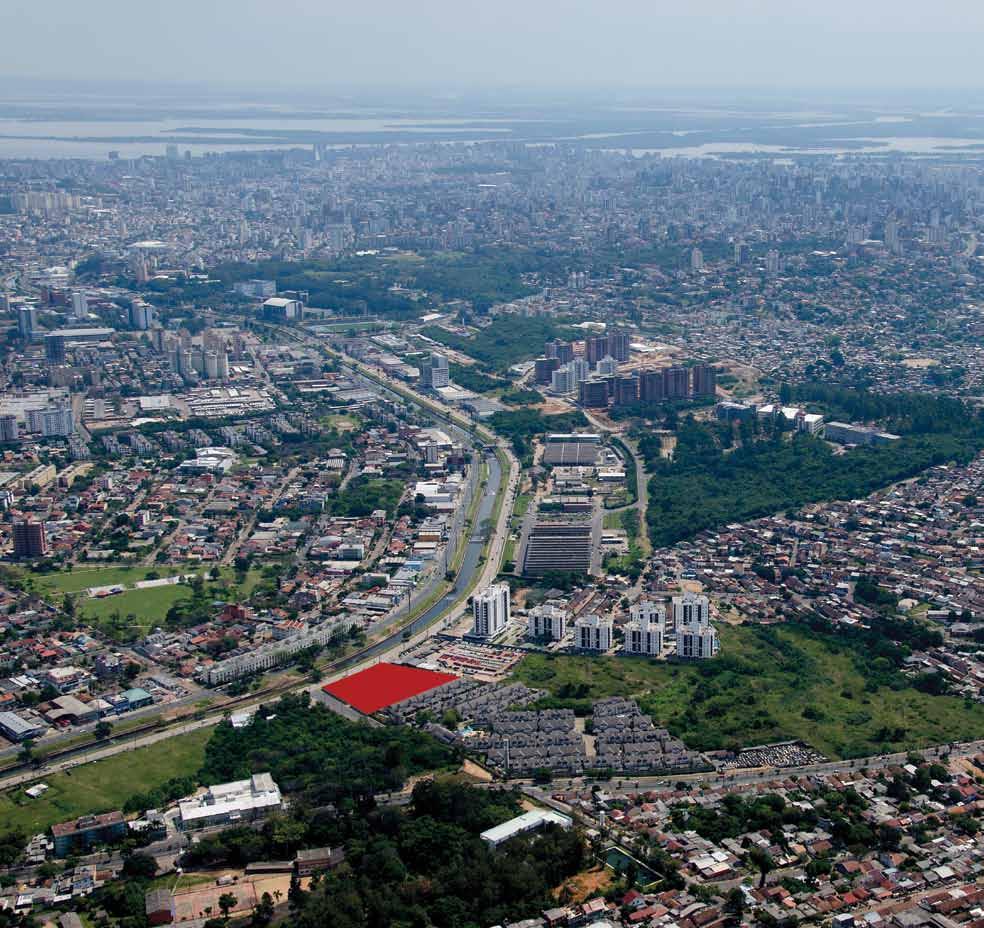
x: 105, y: 784
x: 148, y: 606
x: 757, y: 691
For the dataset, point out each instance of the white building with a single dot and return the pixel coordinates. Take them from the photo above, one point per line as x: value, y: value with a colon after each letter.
x: 523, y: 824
x: 606, y: 366
x: 435, y: 372
x: 593, y: 633
x: 490, y: 611
x: 697, y: 643
x: 691, y: 610
x: 644, y: 630
x: 547, y: 621
x: 231, y: 803
x: 54, y: 420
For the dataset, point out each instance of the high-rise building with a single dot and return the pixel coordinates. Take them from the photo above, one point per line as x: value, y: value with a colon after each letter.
x: 54, y: 348
x: 547, y: 621
x: 676, y: 383
x: 580, y: 369
x: 741, y: 253
x: 30, y: 539
x: 606, y: 366
x: 9, y: 430
x: 593, y: 393
x: 696, y: 260
x: 626, y: 391
x: 595, y: 348
x: 705, y: 380
x: 651, y: 387
x: 562, y: 351
x: 644, y: 630
x: 490, y: 611
x: 691, y: 610
x: 618, y: 346
x: 562, y: 380
x: 27, y: 322
x: 52, y: 420
x: 593, y: 633
x: 697, y: 643
x: 543, y: 369
x: 773, y: 263
x: 141, y: 315
x: 435, y: 371
x: 80, y: 305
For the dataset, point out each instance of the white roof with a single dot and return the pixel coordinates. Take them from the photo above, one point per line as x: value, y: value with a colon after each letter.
x: 523, y: 823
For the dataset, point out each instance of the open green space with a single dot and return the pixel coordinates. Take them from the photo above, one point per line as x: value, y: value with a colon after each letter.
x: 82, y: 578
x: 125, y: 616
x: 106, y: 784
x: 770, y: 683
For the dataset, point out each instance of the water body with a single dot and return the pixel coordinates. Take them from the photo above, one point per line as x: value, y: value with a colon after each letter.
x: 90, y: 127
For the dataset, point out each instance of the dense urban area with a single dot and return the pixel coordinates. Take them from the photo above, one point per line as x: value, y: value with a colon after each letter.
x: 491, y: 534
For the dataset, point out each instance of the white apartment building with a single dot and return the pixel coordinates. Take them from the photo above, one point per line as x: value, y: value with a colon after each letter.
x: 697, y: 643
x: 490, y: 611
x: 593, y: 633
x: 691, y: 610
x: 547, y: 621
x: 644, y: 630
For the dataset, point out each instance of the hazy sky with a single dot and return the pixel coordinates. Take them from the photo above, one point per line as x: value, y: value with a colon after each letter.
x: 780, y: 44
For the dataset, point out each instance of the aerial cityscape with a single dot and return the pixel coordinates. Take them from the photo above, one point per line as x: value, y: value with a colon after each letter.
x: 464, y: 502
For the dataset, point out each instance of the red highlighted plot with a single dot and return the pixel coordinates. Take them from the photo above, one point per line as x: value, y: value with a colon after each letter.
x: 384, y: 684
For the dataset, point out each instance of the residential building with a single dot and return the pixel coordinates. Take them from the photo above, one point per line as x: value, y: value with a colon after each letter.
x: 547, y: 621
x: 86, y: 832
x: 644, y: 630
x: 490, y: 611
x: 30, y: 539
x: 593, y: 633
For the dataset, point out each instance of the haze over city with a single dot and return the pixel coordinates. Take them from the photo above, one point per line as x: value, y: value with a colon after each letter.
x: 512, y: 465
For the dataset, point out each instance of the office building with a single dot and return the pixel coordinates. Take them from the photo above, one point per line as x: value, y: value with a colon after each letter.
x: 435, y: 372
x: 281, y: 309
x: 54, y: 348
x: 257, y: 289
x: 846, y: 434
x: 30, y: 539
x: 705, y: 380
x: 547, y: 621
x: 593, y: 633
x: 238, y: 802
x: 490, y: 611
